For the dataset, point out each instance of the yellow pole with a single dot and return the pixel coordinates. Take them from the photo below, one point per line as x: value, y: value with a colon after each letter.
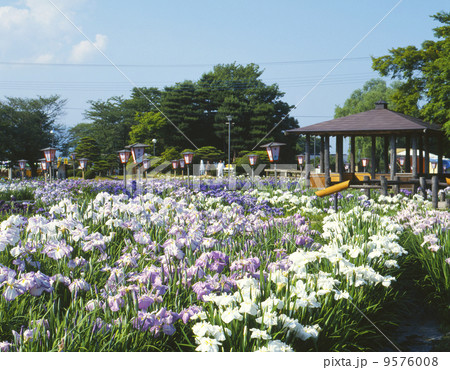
x: 333, y: 189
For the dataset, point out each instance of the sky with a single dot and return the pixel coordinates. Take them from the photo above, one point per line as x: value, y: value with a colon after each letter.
x: 318, y: 52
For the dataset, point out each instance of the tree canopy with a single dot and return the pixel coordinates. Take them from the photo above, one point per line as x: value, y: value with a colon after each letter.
x: 198, y: 109
x: 29, y: 125
x: 424, y: 73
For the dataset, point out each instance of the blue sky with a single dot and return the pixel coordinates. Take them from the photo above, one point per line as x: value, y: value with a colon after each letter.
x: 158, y: 43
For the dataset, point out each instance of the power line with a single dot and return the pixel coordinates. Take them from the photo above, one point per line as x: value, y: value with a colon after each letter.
x: 284, y: 82
x: 186, y: 65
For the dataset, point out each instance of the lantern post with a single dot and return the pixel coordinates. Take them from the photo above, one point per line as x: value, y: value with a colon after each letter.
x: 124, y: 155
x: 146, y: 166
x: 365, y: 163
x: 188, y: 157
x: 44, y: 167
x: 273, y: 151
x: 300, y: 160
x: 401, y: 162
x: 182, y: 166
x: 22, y: 164
x: 49, y: 154
x: 174, y: 167
x: 253, y: 158
x: 83, y: 164
x: 137, y: 152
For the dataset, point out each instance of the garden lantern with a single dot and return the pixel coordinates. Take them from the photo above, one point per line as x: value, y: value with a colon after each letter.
x: 83, y: 164
x: 146, y: 166
x: 49, y: 154
x: 124, y: 156
x: 365, y: 163
x: 44, y: 166
x: 175, y: 166
x: 401, y: 162
x: 273, y: 151
x: 300, y: 160
x: 22, y: 163
x: 137, y: 151
x: 188, y: 158
x: 146, y: 163
x: 181, y: 161
x: 253, y: 158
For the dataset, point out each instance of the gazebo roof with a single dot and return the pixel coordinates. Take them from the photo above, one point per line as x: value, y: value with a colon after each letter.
x: 378, y: 121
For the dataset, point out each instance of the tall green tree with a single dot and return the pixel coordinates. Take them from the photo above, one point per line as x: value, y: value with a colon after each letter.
x: 88, y: 148
x: 149, y: 126
x: 180, y: 103
x: 110, y: 124
x: 255, y: 107
x: 424, y: 74
x: 29, y: 125
x: 196, y: 113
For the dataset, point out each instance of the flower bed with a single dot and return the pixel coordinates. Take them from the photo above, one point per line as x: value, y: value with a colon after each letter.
x: 166, y: 268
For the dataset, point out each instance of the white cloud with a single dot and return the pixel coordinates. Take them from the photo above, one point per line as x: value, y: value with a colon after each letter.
x: 11, y: 17
x: 34, y: 30
x: 85, y: 49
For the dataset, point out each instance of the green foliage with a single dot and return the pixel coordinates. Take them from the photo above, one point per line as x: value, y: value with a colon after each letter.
x: 196, y: 110
x: 89, y: 174
x: 26, y: 125
x: 149, y: 126
x: 88, y: 148
x: 170, y: 154
x: 101, y: 167
x: 424, y: 73
x: 263, y: 158
x: 20, y: 194
x: 208, y: 153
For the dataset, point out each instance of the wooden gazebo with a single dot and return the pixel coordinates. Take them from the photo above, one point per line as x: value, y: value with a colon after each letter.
x: 378, y: 122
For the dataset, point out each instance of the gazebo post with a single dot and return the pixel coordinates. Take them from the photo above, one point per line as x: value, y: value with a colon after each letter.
x: 326, y: 160
x: 420, y: 154
x: 307, y: 161
x: 352, y: 154
x: 386, y: 154
x: 426, y: 148
x: 393, y: 156
x: 372, y: 155
x: 407, y: 153
x: 414, y: 156
x: 339, y: 156
x: 440, y: 145
x: 322, y: 153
